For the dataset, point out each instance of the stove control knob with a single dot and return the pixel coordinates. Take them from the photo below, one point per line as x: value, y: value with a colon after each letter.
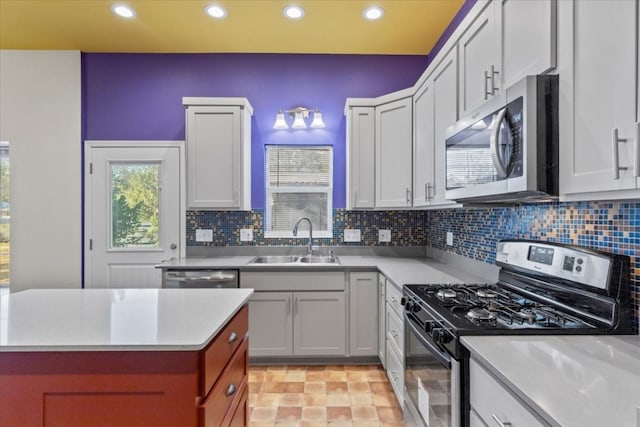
x: 428, y: 327
x: 403, y: 301
x: 440, y: 336
x: 415, y: 307
x: 408, y: 306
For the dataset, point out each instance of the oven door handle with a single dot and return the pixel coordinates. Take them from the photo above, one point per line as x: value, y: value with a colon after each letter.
x: 441, y: 356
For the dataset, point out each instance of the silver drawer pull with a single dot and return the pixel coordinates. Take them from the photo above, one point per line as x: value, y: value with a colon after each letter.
x: 231, y: 390
x: 500, y: 423
x: 232, y: 337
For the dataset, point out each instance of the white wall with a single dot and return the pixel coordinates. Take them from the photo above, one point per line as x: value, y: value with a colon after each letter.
x: 40, y: 116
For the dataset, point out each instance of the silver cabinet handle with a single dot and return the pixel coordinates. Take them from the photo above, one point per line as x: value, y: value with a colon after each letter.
x: 427, y: 192
x: 615, y: 140
x: 494, y: 73
x: 486, y: 78
x: 408, y: 196
x: 173, y: 246
x: 231, y: 390
x: 500, y: 422
x: 232, y: 337
x: 636, y: 155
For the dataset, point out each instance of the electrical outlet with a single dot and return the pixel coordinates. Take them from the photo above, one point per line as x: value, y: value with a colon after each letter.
x: 204, y: 235
x: 450, y: 238
x: 351, y: 235
x: 384, y: 236
x: 246, y: 234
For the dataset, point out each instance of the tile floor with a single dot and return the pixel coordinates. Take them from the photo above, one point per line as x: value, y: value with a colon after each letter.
x: 333, y: 395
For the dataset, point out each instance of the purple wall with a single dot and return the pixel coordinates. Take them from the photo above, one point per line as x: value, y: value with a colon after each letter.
x: 139, y: 96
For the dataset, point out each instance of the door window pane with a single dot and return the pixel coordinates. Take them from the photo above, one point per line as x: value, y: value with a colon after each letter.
x: 5, y: 215
x: 135, y: 204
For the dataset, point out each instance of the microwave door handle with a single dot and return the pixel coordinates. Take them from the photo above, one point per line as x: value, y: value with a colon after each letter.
x: 494, y: 144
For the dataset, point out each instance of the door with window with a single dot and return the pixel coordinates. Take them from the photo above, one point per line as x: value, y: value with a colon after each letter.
x: 132, y: 212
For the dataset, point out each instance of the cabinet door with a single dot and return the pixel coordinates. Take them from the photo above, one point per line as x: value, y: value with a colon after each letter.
x: 382, y: 320
x: 360, y: 158
x: 270, y: 324
x: 423, y: 144
x: 363, y: 314
x: 445, y: 90
x: 213, y: 157
x: 319, y: 324
x: 528, y: 34
x: 598, y: 86
x: 479, y: 52
x: 394, y: 141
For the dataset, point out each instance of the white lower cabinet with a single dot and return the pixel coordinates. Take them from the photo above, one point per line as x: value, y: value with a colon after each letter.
x: 492, y: 404
x: 395, y: 339
x: 271, y: 324
x: 319, y: 327
x: 382, y: 320
x: 297, y: 324
x: 363, y: 314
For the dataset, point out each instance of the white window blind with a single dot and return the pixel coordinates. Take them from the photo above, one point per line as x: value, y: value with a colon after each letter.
x: 299, y: 183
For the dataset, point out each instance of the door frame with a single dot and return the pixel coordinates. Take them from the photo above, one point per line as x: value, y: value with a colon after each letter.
x: 89, y: 145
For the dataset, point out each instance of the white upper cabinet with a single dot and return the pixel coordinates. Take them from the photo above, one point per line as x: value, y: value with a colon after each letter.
x: 528, y: 33
x: 508, y: 40
x: 598, y: 55
x: 479, y: 57
x: 218, y: 145
x: 360, y: 157
x: 435, y: 108
x: 394, y: 140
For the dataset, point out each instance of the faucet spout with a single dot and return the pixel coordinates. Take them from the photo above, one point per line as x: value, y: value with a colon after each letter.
x: 295, y: 232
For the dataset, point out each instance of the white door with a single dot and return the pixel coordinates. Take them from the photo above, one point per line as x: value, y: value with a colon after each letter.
x: 132, y: 212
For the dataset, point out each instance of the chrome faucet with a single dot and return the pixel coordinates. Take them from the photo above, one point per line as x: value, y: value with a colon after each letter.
x: 295, y: 232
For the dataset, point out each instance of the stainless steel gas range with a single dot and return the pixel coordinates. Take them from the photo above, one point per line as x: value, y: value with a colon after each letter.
x: 543, y: 288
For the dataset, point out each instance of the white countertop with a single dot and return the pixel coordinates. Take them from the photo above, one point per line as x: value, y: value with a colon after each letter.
x: 569, y: 380
x: 115, y: 319
x: 399, y: 270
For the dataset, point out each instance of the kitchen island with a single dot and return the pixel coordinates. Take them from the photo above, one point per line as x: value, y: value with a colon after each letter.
x: 161, y: 357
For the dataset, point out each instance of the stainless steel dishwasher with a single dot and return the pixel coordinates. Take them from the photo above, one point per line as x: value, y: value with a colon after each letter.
x: 181, y: 278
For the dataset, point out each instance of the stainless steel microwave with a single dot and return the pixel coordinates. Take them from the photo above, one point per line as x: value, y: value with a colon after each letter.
x: 508, y: 151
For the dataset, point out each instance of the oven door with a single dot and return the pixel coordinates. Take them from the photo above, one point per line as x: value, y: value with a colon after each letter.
x: 432, y: 379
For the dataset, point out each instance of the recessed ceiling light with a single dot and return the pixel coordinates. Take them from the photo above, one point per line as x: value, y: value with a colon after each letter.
x: 123, y: 11
x: 373, y: 13
x: 216, y: 11
x: 293, y: 12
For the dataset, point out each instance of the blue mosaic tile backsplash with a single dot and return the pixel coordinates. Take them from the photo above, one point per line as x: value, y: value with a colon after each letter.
x: 408, y: 228
x: 609, y: 226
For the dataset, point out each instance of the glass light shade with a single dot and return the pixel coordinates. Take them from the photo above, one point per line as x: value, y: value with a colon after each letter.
x: 216, y: 11
x: 317, y: 122
x: 293, y: 12
x: 373, y: 13
x: 123, y: 11
x: 298, y: 122
x: 280, y: 121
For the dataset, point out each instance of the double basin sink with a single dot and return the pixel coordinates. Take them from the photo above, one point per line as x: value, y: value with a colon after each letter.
x: 294, y: 259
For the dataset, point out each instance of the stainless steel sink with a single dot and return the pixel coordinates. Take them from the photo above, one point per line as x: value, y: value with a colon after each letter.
x: 274, y: 259
x: 294, y: 259
x: 319, y: 259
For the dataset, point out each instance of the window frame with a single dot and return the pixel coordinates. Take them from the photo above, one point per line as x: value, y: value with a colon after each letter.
x: 303, y: 232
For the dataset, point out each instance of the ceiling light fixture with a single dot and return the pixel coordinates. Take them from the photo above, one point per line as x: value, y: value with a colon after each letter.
x: 372, y: 13
x: 123, y: 11
x: 216, y: 11
x: 293, y: 12
x: 299, y: 114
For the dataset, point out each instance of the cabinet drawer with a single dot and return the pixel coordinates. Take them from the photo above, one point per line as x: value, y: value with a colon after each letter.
x: 223, y: 346
x: 394, y: 295
x: 395, y: 372
x: 293, y: 281
x: 228, y: 390
x: 490, y: 400
x: 395, y: 331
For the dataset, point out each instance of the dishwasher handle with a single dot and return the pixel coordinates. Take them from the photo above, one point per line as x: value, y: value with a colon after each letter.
x: 211, y: 278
